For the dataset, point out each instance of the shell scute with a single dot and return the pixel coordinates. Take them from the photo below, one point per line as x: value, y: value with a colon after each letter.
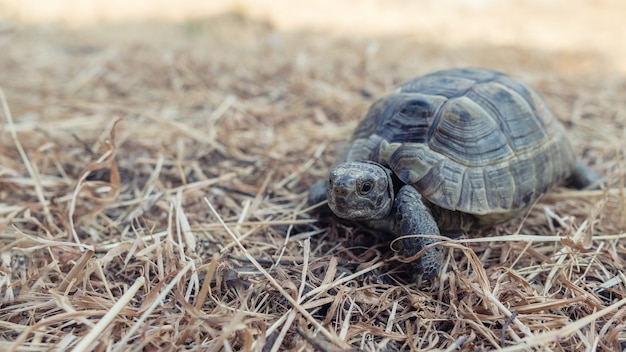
x: 467, y: 134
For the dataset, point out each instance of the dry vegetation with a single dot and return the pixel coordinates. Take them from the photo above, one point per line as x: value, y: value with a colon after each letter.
x: 153, y: 183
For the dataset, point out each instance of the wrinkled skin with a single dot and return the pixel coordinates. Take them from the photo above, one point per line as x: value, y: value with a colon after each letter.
x: 360, y: 191
x: 364, y: 191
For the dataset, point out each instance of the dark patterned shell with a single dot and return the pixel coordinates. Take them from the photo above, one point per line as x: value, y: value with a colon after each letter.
x: 470, y: 140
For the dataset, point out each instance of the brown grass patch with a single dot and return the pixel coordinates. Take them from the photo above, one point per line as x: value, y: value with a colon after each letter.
x: 153, y: 183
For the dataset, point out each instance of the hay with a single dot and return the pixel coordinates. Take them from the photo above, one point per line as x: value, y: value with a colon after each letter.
x: 153, y: 183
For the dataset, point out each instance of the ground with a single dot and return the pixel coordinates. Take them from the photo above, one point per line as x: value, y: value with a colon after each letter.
x: 154, y: 174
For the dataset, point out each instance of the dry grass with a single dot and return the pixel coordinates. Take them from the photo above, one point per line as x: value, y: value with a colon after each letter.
x: 153, y: 183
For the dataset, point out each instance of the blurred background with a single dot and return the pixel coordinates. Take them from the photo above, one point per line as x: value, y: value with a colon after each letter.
x: 585, y: 26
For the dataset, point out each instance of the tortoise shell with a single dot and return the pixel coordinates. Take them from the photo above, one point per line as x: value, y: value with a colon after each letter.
x: 469, y: 140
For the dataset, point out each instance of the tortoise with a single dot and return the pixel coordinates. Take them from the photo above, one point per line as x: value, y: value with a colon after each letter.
x: 446, y: 153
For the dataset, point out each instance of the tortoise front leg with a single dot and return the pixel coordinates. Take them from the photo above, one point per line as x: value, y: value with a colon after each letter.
x: 413, y: 217
x: 317, y: 192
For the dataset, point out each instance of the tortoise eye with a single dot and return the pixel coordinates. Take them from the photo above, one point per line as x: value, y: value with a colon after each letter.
x: 365, y: 188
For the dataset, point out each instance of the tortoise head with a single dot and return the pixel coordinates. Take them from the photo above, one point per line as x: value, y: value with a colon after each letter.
x: 360, y: 190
